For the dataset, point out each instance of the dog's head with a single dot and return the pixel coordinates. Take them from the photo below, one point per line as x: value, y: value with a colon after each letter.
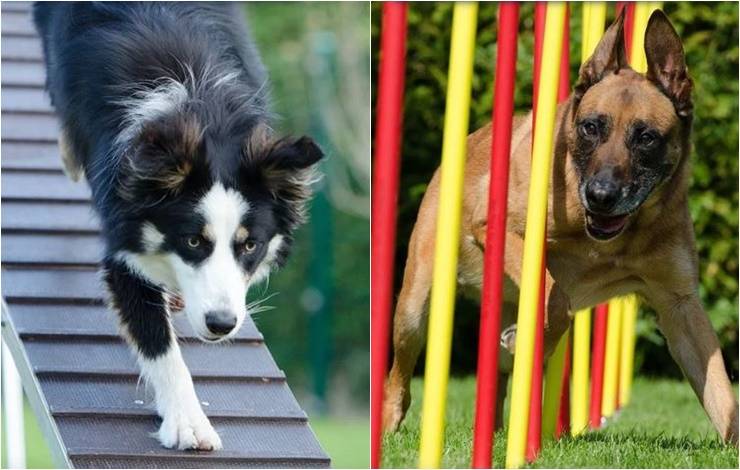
x: 628, y: 131
x: 214, y: 211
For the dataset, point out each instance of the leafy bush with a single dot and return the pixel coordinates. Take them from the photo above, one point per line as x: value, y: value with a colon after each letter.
x: 710, y: 35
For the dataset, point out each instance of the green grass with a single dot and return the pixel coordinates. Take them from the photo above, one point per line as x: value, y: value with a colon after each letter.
x: 663, y: 427
x: 347, y: 441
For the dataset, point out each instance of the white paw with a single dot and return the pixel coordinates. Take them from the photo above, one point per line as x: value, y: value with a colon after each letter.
x: 179, y: 430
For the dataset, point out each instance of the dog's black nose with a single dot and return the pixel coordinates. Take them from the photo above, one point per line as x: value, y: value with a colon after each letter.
x: 602, y: 194
x: 220, y: 322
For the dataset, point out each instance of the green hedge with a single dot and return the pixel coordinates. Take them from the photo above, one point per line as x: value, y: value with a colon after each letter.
x: 710, y: 35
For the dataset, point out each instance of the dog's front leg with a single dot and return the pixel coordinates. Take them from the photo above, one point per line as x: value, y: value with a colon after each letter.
x: 557, y: 304
x: 146, y: 325
x: 695, y: 347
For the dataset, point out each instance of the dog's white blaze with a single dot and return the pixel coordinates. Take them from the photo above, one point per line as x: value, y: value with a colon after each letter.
x: 218, y: 283
x: 156, y: 268
x: 264, y: 268
x: 151, y: 238
x: 184, y: 424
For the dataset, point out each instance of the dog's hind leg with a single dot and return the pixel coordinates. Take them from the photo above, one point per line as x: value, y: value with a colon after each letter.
x: 145, y: 323
x: 72, y: 165
x: 695, y: 347
x: 409, y: 327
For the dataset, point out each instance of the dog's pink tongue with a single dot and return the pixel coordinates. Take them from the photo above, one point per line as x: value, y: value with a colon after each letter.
x: 610, y: 223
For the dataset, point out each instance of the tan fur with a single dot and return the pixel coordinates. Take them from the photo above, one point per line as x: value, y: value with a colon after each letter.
x: 654, y: 256
x: 72, y: 166
x: 241, y: 234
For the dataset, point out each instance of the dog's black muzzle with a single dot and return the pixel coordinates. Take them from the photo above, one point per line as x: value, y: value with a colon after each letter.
x: 220, y: 322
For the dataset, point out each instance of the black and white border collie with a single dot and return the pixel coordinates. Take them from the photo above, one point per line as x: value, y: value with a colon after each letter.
x: 163, y: 108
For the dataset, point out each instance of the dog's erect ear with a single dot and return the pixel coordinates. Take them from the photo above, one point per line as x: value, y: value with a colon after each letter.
x: 608, y: 57
x: 160, y: 158
x: 666, y: 63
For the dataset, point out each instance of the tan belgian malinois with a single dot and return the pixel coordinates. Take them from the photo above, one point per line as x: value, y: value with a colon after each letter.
x: 618, y: 219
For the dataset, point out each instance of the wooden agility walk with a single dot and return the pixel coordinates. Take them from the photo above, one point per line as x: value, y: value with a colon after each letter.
x: 80, y: 377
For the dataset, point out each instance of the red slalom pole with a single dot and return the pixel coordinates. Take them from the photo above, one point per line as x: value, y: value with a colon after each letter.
x: 493, y: 263
x: 564, y: 85
x: 601, y: 313
x: 629, y: 23
x: 384, y: 202
x: 563, y: 424
x: 534, y: 428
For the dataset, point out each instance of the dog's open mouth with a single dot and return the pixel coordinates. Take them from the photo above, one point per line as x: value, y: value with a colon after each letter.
x: 605, y: 227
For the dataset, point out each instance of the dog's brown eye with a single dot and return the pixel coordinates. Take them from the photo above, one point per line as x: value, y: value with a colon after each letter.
x: 193, y: 242
x: 249, y: 246
x: 647, y: 139
x: 589, y: 129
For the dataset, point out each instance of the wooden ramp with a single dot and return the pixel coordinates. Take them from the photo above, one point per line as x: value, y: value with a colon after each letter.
x: 80, y: 377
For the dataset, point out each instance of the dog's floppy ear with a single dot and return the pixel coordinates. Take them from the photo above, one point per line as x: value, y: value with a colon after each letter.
x: 160, y: 158
x: 286, y: 168
x: 608, y: 57
x: 666, y: 63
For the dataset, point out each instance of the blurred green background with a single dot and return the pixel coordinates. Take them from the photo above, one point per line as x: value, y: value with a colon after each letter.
x: 318, y: 58
x: 710, y: 36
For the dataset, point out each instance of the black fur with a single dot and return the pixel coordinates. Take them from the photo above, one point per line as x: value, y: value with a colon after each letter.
x: 100, y: 58
x: 141, y: 309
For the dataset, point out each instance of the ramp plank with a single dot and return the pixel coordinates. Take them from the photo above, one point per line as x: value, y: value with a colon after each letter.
x: 114, y: 357
x: 23, y: 74
x: 49, y: 217
x: 43, y: 186
x: 93, y: 320
x: 26, y: 100
x: 125, y: 396
x: 31, y: 155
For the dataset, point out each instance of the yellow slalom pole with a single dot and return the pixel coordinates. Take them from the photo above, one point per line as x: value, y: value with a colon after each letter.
x: 642, y: 14
x: 594, y: 18
x: 627, y: 349
x: 442, y: 302
x: 581, y: 363
x: 585, y: 21
x: 611, y: 359
x: 553, y: 387
x: 542, y: 147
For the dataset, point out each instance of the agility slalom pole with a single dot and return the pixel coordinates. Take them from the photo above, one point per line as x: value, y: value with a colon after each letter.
x: 534, y: 427
x: 601, y: 313
x: 627, y: 349
x: 441, y: 311
x: 594, y: 17
x: 629, y: 21
x: 563, y: 423
x: 638, y: 61
x: 611, y: 361
x: 554, y: 387
x: 493, y: 261
x: 564, y: 87
x: 534, y: 235
x: 538, y: 409
x: 580, y: 364
x: 388, y: 124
